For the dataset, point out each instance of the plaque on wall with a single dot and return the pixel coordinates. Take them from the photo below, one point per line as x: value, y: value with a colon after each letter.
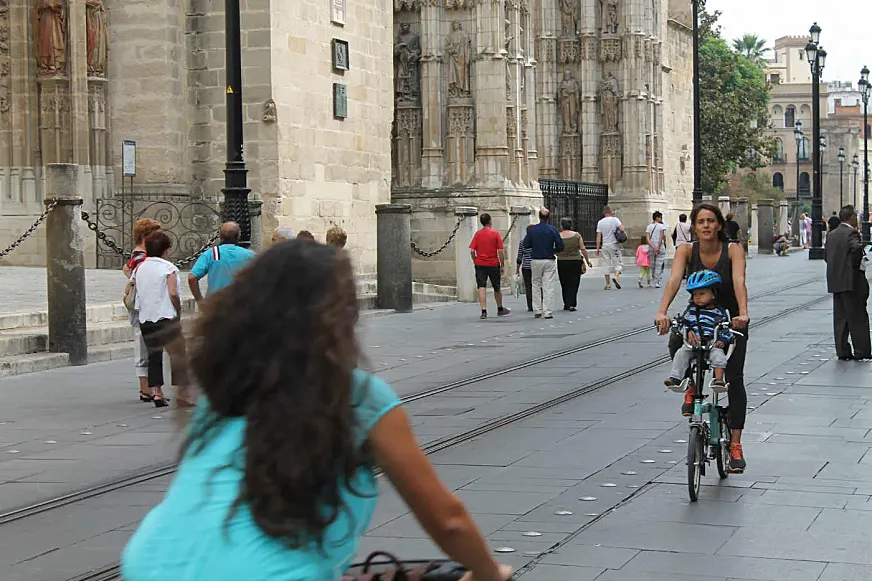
x: 340, y: 54
x: 128, y: 159
x: 337, y: 11
x: 340, y: 101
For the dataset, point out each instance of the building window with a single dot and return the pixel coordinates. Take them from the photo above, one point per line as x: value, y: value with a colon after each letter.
x: 803, y: 149
x: 774, y: 79
x: 790, y: 117
x: 804, y: 185
x: 779, y: 151
x: 778, y: 180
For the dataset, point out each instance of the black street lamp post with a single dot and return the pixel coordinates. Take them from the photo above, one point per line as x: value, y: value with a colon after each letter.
x: 794, y: 222
x: 697, y: 139
x: 817, y: 57
x: 841, y: 177
x: 855, y: 163
x: 235, y: 173
x: 864, y: 88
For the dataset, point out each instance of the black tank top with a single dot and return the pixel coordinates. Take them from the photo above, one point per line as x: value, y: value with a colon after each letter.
x: 724, y: 267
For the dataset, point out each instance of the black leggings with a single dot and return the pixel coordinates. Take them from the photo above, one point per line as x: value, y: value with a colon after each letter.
x: 569, y: 272
x: 734, y: 375
x: 528, y: 286
x: 160, y: 335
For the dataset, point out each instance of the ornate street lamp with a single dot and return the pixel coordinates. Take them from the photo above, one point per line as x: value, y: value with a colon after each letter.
x: 817, y: 58
x: 697, y: 139
x: 841, y: 177
x: 855, y: 163
x: 235, y: 173
x: 794, y: 222
x: 864, y: 87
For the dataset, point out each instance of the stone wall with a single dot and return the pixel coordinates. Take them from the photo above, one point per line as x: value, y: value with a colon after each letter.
x: 678, y: 119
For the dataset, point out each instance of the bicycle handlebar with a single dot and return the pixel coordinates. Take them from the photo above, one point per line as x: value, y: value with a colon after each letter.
x: 724, y: 325
x: 440, y: 569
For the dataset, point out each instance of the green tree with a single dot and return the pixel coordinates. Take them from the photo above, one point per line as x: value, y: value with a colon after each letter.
x: 752, y: 47
x: 754, y: 185
x: 733, y: 108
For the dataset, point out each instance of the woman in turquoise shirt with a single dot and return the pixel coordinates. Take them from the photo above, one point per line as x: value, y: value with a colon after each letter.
x: 276, y: 480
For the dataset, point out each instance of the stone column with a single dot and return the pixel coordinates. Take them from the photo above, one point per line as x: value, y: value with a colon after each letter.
x: 589, y: 79
x: 464, y: 268
x: 755, y: 227
x: 521, y: 215
x: 783, y: 222
x: 724, y: 204
x: 394, y: 256
x: 431, y: 84
x: 489, y: 95
x: 741, y: 213
x: 255, y: 213
x: 765, y: 219
x: 65, y: 264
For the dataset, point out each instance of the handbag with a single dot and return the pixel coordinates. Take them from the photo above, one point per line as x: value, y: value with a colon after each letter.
x: 129, y: 299
x: 421, y: 571
x: 620, y: 236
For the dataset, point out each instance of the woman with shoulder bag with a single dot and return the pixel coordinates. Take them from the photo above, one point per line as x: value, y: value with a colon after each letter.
x: 571, y: 264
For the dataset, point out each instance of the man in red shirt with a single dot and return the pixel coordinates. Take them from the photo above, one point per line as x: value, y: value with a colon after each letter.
x: 489, y: 257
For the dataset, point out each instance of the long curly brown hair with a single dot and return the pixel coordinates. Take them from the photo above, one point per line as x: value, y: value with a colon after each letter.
x: 278, y: 348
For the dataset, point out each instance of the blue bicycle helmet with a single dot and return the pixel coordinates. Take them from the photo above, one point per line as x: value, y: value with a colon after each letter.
x: 703, y: 279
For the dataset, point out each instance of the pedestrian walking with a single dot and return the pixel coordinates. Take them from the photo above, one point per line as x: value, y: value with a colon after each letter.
x: 681, y: 233
x: 571, y: 264
x: 643, y: 261
x: 833, y: 222
x: 846, y: 280
x: 656, y: 235
x: 609, y: 247
x: 489, y: 257
x: 220, y: 263
x: 544, y: 241
x: 282, y: 235
x: 141, y: 229
x: 524, y: 269
x: 733, y: 230
x: 159, y: 304
x: 337, y: 237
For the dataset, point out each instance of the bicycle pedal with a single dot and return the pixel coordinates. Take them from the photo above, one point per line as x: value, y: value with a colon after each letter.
x: 719, y: 389
x: 678, y: 388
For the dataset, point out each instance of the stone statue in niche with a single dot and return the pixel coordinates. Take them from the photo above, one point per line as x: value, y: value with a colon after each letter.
x: 569, y: 103
x: 97, y: 37
x: 609, y: 103
x: 269, y: 112
x: 610, y: 16
x: 51, y: 37
x: 569, y: 16
x: 407, y: 52
x: 458, y: 46
x: 508, y: 51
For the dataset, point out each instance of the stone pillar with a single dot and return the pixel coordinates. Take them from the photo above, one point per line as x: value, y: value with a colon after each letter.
x: 431, y: 93
x: 65, y: 264
x: 255, y: 214
x: 755, y: 227
x: 394, y: 256
x: 489, y: 96
x: 765, y: 219
x: 783, y: 222
x: 724, y: 204
x: 464, y: 268
x: 741, y: 213
x: 521, y: 215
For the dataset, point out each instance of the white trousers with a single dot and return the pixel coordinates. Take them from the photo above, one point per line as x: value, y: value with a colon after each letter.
x: 544, y: 284
x: 658, y: 264
x: 613, y: 259
x: 140, y: 351
x: 716, y: 358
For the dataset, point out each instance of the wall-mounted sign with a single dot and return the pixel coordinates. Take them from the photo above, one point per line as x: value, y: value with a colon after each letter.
x: 340, y: 54
x: 340, y: 101
x: 337, y: 11
x: 128, y: 159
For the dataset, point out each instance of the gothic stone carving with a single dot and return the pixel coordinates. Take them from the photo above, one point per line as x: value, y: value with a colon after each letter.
x: 97, y: 38
x: 523, y: 123
x: 609, y: 102
x: 569, y: 17
x: 459, y: 121
x: 610, y: 50
x: 408, y: 122
x: 51, y: 37
x: 5, y: 91
x: 568, y: 50
x: 458, y: 47
x: 4, y: 27
x: 588, y: 48
x: 458, y: 4
x: 270, y: 115
x: 511, y: 123
x: 569, y: 103
x: 406, y: 5
x: 407, y: 53
x: 547, y: 48
x: 610, y: 16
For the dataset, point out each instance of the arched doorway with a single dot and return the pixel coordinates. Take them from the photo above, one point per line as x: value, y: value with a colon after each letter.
x: 778, y: 180
x: 804, y: 185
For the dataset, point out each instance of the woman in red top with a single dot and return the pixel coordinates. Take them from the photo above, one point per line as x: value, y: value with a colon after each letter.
x: 141, y: 230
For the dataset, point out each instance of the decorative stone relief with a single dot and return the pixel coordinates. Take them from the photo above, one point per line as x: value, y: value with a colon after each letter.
x: 458, y: 48
x: 459, y: 4
x: 407, y: 54
x: 97, y: 33
x: 408, y: 122
x: 407, y: 145
x: 460, y: 149
x: 588, y: 48
x: 568, y: 50
x: 609, y: 102
x: 610, y: 50
x: 406, y: 5
x: 511, y: 123
x: 610, y: 16
x: 547, y: 49
x: 270, y: 115
x: 569, y: 103
x: 569, y: 17
x: 612, y: 159
x: 459, y: 121
x: 5, y: 91
x: 51, y: 37
x: 4, y: 27
x: 524, y: 123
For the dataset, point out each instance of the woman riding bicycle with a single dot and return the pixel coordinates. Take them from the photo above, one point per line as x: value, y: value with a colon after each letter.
x: 277, y: 475
x: 712, y: 251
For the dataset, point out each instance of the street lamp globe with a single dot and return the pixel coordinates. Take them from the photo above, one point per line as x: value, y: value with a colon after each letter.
x: 842, y: 154
x: 797, y: 133
x: 822, y: 59
x: 815, y: 32
x: 811, y: 52
x: 864, y: 74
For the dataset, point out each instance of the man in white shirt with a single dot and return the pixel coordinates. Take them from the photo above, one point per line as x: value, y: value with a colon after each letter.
x: 607, y: 245
x: 681, y: 234
x: 655, y: 234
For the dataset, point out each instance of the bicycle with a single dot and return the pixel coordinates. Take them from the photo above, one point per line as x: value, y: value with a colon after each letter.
x: 383, y: 566
x: 703, y: 445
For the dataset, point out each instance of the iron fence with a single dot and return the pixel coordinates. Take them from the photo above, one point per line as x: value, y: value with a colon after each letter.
x: 581, y: 201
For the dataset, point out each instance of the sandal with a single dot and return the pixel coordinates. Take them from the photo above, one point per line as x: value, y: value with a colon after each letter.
x: 160, y: 402
x: 145, y: 397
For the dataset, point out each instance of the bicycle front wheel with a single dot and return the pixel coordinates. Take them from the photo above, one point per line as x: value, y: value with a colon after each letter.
x: 695, y: 459
x: 723, y: 451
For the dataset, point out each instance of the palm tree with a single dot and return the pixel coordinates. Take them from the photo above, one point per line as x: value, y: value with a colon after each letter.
x: 751, y: 46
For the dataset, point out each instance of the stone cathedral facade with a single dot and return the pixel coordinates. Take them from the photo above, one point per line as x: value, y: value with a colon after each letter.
x: 492, y: 95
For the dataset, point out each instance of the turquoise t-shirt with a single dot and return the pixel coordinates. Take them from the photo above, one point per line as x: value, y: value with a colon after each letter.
x: 219, y: 263
x: 184, y: 538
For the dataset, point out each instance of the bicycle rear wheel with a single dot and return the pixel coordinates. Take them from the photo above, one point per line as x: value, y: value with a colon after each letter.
x: 723, y: 451
x: 695, y: 460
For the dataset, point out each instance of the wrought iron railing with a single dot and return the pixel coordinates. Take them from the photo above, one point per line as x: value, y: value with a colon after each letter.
x: 581, y: 201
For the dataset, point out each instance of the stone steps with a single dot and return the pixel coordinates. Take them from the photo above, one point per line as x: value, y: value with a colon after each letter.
x: 24, y: 336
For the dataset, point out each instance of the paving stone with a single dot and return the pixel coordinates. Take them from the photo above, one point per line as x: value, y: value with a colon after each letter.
x: 655, y: 536
x: 770, y: 569
x: 590, y: 556
x: 545, y: 572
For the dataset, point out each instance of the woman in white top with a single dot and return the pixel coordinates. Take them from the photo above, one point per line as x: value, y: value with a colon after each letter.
x: 159, y: 306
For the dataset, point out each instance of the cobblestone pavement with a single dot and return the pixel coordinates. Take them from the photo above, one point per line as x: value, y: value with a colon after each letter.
x: 795, y: 515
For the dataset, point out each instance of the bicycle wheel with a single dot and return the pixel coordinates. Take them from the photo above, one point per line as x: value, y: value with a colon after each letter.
x: 695, y: 460
x: 723, y: 452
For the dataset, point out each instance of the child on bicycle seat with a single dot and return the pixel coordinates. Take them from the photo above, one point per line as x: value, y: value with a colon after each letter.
x: 698, y: 325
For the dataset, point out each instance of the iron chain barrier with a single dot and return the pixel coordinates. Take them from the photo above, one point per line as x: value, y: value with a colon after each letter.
x: 109, y: 243
x: 439, y: 250
x: 31, y: 230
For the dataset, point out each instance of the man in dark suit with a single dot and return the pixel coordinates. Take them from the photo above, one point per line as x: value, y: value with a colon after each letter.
x: 846, y: 280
